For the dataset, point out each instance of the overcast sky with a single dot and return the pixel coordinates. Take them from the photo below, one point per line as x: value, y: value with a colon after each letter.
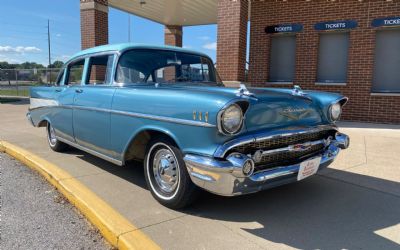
x: 23, y: 31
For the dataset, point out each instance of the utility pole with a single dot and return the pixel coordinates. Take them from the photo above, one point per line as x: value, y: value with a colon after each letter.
x: 129, y: 28
x: 49, y: 47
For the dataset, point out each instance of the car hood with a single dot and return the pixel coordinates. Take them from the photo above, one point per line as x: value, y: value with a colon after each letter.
x: 268, y: 107
x: 272, y: 108
x: 276, y: 108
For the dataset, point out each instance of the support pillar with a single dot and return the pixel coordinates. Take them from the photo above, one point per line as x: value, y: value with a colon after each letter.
x: 94, y: 23
x: 232, y: 39
x: 173, y: 35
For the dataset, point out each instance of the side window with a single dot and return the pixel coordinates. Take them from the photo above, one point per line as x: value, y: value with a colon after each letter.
x: 60, y: 77
x: 100, y: 68
x: 75, y: 71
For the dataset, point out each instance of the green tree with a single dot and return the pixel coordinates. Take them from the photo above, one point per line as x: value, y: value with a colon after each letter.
x: 56, y: 65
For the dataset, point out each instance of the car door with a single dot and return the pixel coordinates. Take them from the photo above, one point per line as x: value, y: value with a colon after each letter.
x: 92, y: 104
x: 64, y: 93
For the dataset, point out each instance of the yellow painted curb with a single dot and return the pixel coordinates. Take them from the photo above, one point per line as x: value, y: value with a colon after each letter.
x: 112, y: 225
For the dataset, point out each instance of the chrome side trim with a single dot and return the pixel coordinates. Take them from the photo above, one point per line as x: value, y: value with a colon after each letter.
x: 164, y: 118
x: 41, y: 102
x: 138, y: 115
x: 90, y: 151
x: 221, y: 150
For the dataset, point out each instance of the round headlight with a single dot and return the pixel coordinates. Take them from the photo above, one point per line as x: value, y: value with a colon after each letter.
x: 231, y: 119
x: 335, y: 111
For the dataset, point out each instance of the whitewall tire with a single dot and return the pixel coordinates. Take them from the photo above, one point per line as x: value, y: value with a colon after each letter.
x: 166, y: 175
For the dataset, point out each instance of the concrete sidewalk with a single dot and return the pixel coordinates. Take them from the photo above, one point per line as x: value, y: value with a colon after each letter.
x: 353, y: 204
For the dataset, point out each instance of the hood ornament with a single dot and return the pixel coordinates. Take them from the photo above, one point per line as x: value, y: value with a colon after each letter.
x: 297, y: 91
x: 243, y: 91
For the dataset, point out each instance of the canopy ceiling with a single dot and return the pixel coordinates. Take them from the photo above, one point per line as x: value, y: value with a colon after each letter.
x: 171, y: 12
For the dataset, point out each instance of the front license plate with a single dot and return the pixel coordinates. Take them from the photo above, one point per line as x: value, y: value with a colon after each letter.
x: 308, y: 168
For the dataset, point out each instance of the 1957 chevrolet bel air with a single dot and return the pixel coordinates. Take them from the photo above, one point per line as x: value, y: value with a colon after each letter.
x: 167, y: 107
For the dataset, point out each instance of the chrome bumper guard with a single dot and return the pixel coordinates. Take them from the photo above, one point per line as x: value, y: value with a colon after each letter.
x: 228, y: 176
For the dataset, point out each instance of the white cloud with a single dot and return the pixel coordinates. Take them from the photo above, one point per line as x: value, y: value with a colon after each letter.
x: 58, y: 35
x: 187, y: 47
x: 210, y: 46
x: 19, y: 49
x: 204, y: 38
x: 62, y: 58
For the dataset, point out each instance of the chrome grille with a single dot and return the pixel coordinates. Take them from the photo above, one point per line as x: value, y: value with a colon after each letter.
x: 287, y: 158
x: 284, y: 158
x: 282, y: 141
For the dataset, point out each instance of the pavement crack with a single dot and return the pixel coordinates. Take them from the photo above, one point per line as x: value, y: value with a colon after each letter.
x: 154, y: 224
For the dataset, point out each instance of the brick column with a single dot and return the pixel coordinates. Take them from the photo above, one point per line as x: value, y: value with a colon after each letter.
x: 94, y: 23
x: 232, y: 35
x: 173, y: 35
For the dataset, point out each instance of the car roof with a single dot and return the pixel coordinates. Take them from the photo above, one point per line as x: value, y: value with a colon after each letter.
x: 127, y: 46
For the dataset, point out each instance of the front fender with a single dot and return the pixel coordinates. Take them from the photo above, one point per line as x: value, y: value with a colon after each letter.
x: 150, y: 128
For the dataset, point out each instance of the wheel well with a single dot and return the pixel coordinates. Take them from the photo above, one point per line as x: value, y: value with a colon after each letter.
x: 137, y: 147
x: 43, y: 123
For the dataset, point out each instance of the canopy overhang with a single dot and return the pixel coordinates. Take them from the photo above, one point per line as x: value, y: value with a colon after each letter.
x: 171, y: 12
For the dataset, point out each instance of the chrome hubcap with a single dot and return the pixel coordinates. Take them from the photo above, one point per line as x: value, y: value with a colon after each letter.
x: 52, y: 136
x: 165, y: 170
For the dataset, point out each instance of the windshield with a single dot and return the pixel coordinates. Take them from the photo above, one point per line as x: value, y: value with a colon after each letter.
x: 161, y: 66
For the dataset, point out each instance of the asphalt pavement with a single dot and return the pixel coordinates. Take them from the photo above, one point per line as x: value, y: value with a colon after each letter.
x: 353, y: 204
x: 35, y: 216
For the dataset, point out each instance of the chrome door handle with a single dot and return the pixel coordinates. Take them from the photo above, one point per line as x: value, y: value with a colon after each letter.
x: 78, y: 90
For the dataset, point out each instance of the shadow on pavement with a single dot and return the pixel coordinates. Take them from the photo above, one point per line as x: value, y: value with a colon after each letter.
x: 132, y: 172
x: 14, y: 101
x: 317, y: 213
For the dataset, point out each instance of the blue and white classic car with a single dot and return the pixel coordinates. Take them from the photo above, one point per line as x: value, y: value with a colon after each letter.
x: 167, y: 107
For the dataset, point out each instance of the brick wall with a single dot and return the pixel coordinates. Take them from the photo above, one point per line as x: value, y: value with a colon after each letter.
x: 232, y: 31
x: 362, y: 106
x: 94, y: 23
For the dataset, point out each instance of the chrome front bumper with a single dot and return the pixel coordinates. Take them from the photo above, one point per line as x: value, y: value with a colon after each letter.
x: 225, y: 176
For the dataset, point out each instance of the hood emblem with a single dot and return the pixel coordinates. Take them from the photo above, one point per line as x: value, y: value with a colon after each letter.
x: 295, y: 113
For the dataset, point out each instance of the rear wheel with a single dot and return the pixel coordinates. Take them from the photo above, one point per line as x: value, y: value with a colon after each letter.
x: 167, y: 176
x: 54, y: 143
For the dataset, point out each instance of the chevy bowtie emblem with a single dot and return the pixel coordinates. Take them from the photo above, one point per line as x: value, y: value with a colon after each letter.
x: 295, y: 113
x: 300, y: 147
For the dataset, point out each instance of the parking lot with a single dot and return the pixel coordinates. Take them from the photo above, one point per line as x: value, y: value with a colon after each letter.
x: 354, y: 204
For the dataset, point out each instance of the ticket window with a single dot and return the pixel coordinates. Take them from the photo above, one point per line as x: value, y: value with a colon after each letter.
x: 387, y: 62
x: 333, y: 57
x: 282, y: 59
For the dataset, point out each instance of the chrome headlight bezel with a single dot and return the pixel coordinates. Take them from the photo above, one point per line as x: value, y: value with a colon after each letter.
x: 220, y: 120
x: 335, y: 111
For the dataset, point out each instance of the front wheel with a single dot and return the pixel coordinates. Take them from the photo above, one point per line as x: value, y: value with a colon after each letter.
x: 54, y: 143
x: 166, y: 175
